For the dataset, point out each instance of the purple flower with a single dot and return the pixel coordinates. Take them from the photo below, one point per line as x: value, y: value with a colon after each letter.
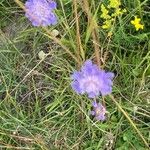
x: 99, y: 111
x: 40, y: 12
x: 92, y: 80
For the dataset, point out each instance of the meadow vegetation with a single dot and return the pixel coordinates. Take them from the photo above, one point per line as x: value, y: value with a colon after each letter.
x: 38, y: 107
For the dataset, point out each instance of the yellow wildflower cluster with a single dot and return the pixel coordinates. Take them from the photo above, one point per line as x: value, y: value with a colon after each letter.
x: 104, y: 12
x: 136, y: 23
x: 108, y: 16
x: 114, y: 4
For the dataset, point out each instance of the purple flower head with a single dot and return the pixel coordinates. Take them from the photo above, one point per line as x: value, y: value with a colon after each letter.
x: 40, y: 12
x: 92, y: 80
x: 99, y: 111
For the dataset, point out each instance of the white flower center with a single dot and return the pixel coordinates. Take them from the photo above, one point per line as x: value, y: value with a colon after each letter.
x: 91, y: 84
x: 41, y: 10
x: 99, y: 111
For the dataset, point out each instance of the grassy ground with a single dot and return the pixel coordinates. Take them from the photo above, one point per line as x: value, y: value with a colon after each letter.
x: 38, y: 108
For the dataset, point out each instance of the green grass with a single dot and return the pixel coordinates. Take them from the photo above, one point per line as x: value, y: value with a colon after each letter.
x: 38, y: 108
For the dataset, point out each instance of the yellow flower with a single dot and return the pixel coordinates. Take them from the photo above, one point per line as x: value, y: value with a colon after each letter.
x: 118, y: 12
x: 114, y: 4
x: 107, y: 24
x: 136, y: 23
x: 105, y: 12
x: 110, y: 12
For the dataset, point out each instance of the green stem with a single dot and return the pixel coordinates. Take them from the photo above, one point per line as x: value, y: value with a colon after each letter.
x: 129, y: 119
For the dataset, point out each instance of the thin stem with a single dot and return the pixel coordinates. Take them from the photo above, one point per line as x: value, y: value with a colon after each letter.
x: 30, y: 72
x: 20, y: 4
x: 129, y: 119
x: 56, y: 40
x: 80, y: 50
x: 94, y: 31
